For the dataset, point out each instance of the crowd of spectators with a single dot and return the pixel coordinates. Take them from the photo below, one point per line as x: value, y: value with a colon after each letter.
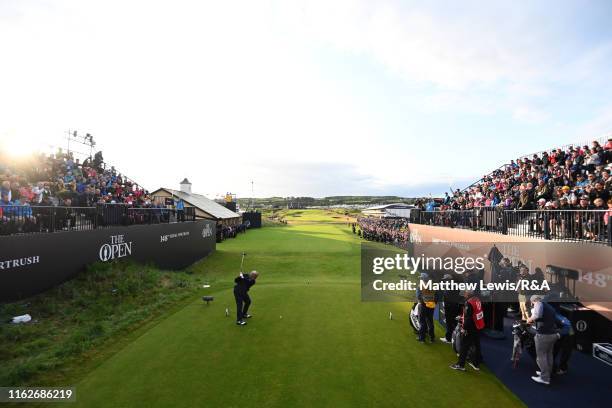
x: 387, y: 230
x: 56, y: 192
x: 30, y: 186
x: 574, y: 178
x: 230, y: 231
x: 60, y: 179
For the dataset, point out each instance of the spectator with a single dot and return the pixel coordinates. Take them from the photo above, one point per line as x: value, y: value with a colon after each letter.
x: 180, y: 210
x: 571, y: 178
x: 543, y: 316
x: 427, y: 302
x: 522, y: 293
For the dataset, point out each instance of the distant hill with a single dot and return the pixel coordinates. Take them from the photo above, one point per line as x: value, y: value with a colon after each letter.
x: 302, y: 202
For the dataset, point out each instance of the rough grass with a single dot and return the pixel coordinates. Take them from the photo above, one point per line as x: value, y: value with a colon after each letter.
x: 81, y: 315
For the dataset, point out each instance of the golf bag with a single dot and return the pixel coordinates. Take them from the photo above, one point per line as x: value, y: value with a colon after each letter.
x: 457, y: 340
x: 413, y: 317
x: 524, y: 339
x: 456, y: 337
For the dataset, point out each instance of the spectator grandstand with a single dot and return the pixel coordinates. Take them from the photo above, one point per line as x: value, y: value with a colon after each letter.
x: 55, y: 178
x: 563, y: 194
x: 559, y: 178
x: 54, y: 192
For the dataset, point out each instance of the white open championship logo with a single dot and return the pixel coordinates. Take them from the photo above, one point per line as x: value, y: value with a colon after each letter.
x: 117, y: 248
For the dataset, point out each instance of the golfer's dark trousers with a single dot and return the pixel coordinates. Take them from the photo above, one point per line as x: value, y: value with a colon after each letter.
x: 426, y: 323
x: 471, y: 338
x: 243, y: 301
x: 451, y: 311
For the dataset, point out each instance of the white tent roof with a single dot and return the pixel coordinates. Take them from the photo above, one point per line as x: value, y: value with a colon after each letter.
x: 205, y: 204
x: 395, y: 205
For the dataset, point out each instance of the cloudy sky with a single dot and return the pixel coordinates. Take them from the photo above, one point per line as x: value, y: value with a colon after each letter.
x: 306, y: 97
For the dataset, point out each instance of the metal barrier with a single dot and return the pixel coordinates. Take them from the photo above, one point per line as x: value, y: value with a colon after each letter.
x: 21, y: 219
x: 558, y: 225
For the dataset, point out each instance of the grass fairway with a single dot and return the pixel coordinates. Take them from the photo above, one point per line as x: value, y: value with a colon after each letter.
x: 328, y: 349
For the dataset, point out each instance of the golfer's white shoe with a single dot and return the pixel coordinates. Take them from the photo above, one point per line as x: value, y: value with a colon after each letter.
x: 443, y: 340
x: 475, y: 367
x: 540, y: 380
x: 241, y: 322
x: 247, y: 316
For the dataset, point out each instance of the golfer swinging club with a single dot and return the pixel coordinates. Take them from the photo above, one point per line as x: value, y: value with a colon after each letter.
x: 241, y: 293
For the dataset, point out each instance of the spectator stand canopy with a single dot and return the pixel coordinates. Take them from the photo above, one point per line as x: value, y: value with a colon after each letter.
x: 397, y: 210
x: 204, y: 208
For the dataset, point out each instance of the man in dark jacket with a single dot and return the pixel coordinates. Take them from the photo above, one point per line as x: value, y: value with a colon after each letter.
x: 452, y: 308
x: 241, y: 294
x: 501, y: 273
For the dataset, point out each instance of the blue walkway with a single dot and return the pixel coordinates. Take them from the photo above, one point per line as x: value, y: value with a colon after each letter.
x: 587, y: 384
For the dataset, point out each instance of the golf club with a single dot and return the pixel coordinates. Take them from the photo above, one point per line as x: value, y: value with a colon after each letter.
x: 242, y: 261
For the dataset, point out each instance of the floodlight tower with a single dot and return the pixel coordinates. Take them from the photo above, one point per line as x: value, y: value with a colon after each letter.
x: 251, y: 204
x: 86, y: 140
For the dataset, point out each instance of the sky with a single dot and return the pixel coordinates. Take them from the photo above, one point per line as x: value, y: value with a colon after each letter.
x: 306, y: 98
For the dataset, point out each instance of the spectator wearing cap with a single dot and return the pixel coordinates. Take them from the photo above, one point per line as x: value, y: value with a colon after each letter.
x: 565, y: 192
